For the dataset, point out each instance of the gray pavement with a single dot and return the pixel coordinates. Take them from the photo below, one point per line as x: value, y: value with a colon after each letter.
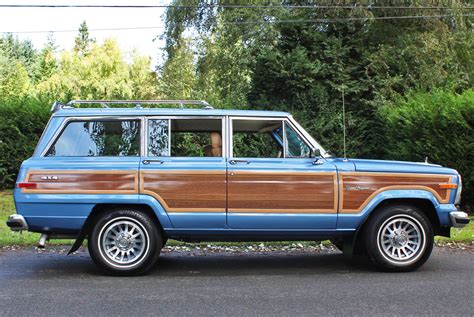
x: 196, y: 283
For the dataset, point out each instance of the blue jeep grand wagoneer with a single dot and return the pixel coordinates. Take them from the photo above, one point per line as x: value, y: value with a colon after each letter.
x: 129, y: 179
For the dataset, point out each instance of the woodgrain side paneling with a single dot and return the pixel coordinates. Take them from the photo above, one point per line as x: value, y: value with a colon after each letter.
x: 282, y: 192
x: 83, y: 182
x: 357, y: 189
x: 186, y: 191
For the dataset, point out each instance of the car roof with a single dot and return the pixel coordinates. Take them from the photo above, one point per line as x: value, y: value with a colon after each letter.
x: 92, y: 112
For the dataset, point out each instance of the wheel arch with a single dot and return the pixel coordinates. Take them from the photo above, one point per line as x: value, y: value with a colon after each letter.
x: 101, y: 208
x: 425, y: 205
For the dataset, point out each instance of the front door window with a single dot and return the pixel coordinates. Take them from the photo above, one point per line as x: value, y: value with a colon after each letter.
x: 257, y: 138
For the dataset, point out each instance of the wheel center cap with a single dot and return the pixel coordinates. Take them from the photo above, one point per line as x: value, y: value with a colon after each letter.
x: 124, y: 242
x: 400, y: 238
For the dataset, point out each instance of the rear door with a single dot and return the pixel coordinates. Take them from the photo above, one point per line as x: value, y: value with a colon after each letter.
x: 272, y: 181
x: 184, y: 169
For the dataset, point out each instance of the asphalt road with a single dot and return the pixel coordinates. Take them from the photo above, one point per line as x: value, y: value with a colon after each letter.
x: 50, y: 283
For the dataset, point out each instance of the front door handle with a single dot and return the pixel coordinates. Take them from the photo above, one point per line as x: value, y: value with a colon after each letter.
x: 146, y: 162
x: 233, y: 162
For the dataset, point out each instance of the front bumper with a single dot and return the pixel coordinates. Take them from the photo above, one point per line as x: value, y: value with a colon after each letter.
x: 459, y: 219
x: 17, y: 222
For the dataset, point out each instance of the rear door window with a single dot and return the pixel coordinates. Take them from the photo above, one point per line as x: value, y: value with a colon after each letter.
x: 188, y: 137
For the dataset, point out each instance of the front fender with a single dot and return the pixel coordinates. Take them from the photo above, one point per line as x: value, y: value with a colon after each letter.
x: 351, y: 221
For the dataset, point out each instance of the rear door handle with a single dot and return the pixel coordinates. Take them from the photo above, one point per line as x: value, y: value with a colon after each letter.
x: 233, y: 162
x: 146, y: 162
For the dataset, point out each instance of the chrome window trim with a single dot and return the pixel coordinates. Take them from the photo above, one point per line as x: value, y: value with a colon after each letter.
x: 187, y: 117
x: 93, y: 118
x: 285, y: 141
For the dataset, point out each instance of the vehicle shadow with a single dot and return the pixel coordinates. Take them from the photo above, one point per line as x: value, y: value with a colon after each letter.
x: 190, y: 264
x: 242, y: 264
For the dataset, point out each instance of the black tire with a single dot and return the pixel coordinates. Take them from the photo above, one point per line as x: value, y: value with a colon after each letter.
x: 392, y: 248
x: 138, y: 245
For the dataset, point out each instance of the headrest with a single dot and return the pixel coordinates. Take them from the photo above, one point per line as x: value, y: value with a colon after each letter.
x: 216, y: 140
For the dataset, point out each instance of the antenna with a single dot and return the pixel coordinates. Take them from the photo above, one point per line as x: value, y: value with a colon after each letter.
x: 344, y: 124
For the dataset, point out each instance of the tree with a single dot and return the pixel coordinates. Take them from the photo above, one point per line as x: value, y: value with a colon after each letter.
x: 302, y: 67
x: 23, y: 51
x: 178, y: 77
x: 101, y: 74
x: 83, y: 41
x: 14, y: 80
x: 46, y: 64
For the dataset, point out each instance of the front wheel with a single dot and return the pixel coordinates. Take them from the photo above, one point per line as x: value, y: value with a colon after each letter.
x: 125, y: 242
x: 399, y: 238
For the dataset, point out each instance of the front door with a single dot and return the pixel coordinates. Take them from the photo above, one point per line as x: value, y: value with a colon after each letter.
x: 184, y: 169
x: 272, y: 181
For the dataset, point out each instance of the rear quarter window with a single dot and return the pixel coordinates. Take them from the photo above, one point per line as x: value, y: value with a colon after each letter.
x: 98, y: 138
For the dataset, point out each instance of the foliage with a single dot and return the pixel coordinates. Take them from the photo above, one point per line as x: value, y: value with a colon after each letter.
x: 83, y: 41
x: 31, y: 80
x: 46, y: 63
x: 102, y: 74
x: 437, y: 125
x: 247, y: 60
x: 240, y: 58
x: 23, y: 121
x: 178, y: 74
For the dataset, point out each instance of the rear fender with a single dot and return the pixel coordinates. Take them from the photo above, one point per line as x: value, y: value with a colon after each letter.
x: 160, y: 213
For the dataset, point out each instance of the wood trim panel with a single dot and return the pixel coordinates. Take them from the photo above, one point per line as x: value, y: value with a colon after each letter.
x: 256, y: 191
x: 358, y: 188
x: 83, y: 182
x: 186, y: 191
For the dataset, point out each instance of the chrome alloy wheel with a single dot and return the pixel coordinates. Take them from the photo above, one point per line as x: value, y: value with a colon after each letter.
x: 123, y: 242
x: 401, y: 239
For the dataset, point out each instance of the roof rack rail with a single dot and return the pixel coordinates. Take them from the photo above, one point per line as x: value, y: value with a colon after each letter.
x: 138, y: 103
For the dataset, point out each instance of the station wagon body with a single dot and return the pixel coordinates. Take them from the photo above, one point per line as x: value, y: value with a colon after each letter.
x: 131, y: 178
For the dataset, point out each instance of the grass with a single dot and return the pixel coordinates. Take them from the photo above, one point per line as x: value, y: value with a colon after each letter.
x: 8, y: 237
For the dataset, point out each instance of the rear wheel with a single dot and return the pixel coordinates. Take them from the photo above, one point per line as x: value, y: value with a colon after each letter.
x: 125, y: 242
x: 399, y: 238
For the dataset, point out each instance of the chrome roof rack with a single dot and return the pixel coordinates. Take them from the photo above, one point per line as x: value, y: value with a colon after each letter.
x: 138, y: 103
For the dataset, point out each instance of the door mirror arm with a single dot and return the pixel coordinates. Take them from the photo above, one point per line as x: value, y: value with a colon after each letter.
x: 318, y: 158
x: 318, y: 161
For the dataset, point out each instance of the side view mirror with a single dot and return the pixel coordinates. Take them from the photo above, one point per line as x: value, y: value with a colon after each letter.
x: 315, y: 153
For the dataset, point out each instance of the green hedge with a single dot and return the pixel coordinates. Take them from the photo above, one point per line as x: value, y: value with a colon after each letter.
x: 437, y: 125
x: 21, y: 125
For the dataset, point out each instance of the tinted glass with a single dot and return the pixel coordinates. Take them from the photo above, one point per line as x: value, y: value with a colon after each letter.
x: 158, y: 137
x: 98, y: 138
x: 296, y: 147
x: 189, y: 137
x: 256, y: 138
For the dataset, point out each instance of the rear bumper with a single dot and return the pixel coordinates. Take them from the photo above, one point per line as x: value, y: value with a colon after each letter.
x: 459, y: 219
x: 17, y: 223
